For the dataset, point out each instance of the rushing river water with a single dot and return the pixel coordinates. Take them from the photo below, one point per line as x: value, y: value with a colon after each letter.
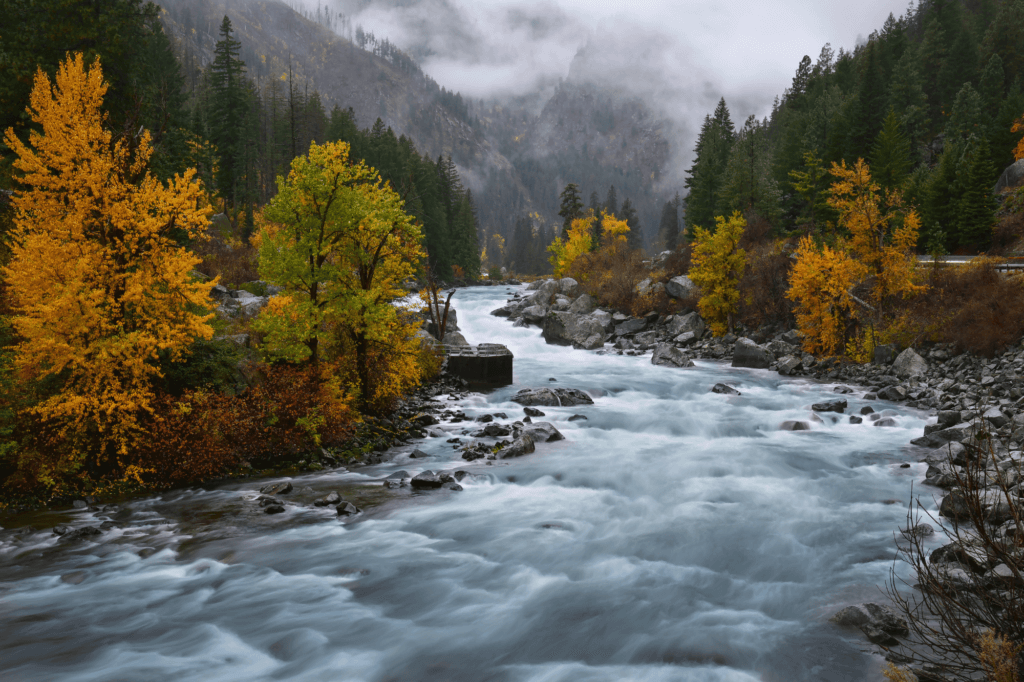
x: 675, y: 534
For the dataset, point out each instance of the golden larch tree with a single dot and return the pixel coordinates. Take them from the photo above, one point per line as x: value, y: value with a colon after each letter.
x: 717, y: 267
x: 579, y: 241
x: 821, y: 284
x: 100, y: 288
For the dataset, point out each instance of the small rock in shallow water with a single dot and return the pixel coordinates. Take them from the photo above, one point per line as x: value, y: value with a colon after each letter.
x: 347, y: 509
x: 332, y: 498
x: 838, y: 405
x: 61, y: 530
x: 724, y: 389
x: 867, y: 409
x: 532, y: 412
x: 418, y: 454
x: 794, y: 426
x: 392, y: 484
x: 274, y: 509
x: 485, y: 419
x: 452, y: 485
x: 79, y: 504
x: 854, y: 419
x: 887, y: 421
x: 425, y: 479
x: 280, y: 488
x: 578, y: 417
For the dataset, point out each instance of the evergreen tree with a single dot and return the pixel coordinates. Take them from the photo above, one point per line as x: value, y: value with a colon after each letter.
x: 1004, y: 140
x: 907, y: 99
x: 749, y: 183
x: 611, y: 202
x: 868, y: 106
x: 706, y: 180
x: 965, y: 117
x: 227, y: 109
x: 1004, y: 37
x: 890, y: 155
x: 961, y: 64
x: 570, y: 208
x: 668, y: 228
x: 975, y: 204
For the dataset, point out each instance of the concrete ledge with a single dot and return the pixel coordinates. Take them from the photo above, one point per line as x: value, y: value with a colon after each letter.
x: 484, y: 365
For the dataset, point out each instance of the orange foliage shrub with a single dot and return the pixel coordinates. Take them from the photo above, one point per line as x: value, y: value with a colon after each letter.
x: 286, y: 412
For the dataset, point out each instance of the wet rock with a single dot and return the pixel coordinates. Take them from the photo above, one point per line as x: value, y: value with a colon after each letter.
x: 854, y: 419
x: 838, y: 405
x: 667, y: 355
x: 724, y: 389
x: 424, y: 420
x: 886, y: 422
x: 893, y: 393
x: 523, y: 445
x: 79, y: 504
x: 580, y: 331
x: 879, y: 623
x: 794, y: 426
x: 630, y: 326
x: 909, y: 364
x: 552, y: 397
x: 584, y: 305
x: 273, y: 509
x: 329, y: 499
x: 61, y: 530
x: 279, y: 488
x: 485, y: 418
x: 74, y: 578
x: 347, y: 509
x: 788, y: 365
x: 851, y: 616
x: 418, y: 454
x: 954, y: 506
x: 578, y: 417
x: 542, y: 432
x: 746, y: 353
x: 867, y: 409
x: 842, y: 390
x: 398, y: 475
x: 532, y: 412
x: 452, y: 485
x: 427, y: 479
x: 878, y: 636
x: 493, y: 431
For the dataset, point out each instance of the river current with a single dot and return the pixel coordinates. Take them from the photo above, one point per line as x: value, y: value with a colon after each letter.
x: 675, y: 534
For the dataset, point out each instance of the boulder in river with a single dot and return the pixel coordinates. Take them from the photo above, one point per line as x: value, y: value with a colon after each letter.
x: 347, y: 509
x: 329, y: 499
x: 532, y: 412
x: 552, y: 397
x: 426, y: 479
x: 667, y: 355
x: 724, y: 389
x: 580, y: 331
x: 542, y: 432
x: 279, y: 488
x: 788, y: 365
x: 838, y: 405
x: 273, y: 509
x: 680, y: 324
x: 584, y: 305
x: 794, y: 426
x: 523, y: 445
x: 748, y: 354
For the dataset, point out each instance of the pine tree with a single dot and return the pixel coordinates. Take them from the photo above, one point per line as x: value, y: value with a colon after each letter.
x: 749, y: 183
x: 907, y: 99
x: 868, y: 106
x: 975, y: 204
x: 227, y: 109
x: 668, y: 228
x: 571, y: 207
x: 706, y: 179
x: 890, y: 155
x: 611, y: 201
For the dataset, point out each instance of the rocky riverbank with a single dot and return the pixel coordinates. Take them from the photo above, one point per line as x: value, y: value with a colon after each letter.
x: 964, y: 395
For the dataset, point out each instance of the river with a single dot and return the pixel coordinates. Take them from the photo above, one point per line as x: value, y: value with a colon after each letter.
x: 675, y: 534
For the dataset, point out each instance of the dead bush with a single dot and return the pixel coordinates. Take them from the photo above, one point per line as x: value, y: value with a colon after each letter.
x: 1008, y: 234
x: 234, y: 261
x: 678, y: 263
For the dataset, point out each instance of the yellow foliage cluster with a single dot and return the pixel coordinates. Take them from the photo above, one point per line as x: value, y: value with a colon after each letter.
x: 998, y: 656
x: 338, y: 241
x: 879, y: 254
x: 717, y: 267
x: 98, y: 284
x: 580, y: 241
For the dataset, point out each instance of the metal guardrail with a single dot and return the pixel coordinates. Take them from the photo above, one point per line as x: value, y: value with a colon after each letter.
x: 1009, y: 264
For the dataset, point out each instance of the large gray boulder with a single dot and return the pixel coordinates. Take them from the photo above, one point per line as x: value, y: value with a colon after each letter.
x: 630, y: 326
x: 667, y: 355
x: 535, y: 314
x: 552, y: 397
x: 681, y: 287
x: 542, y: 432
x: 523, y: 445
x: 454, y: 339
x: 604, y: 318
x: 537, y: 284
x: 567, y: 286
x: 1011, y: 177
x: 749, y: 354
x: 542, y: 296
x: 649, y: 287
x: 691, y: 322
x: 584, y: 305
x: 581, y: 331
x: 909, y: 364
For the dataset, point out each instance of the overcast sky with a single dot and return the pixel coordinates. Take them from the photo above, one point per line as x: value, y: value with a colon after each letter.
x: 682, y: 55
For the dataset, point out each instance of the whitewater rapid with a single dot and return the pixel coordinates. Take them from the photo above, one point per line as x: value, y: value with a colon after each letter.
x: 675, y: 534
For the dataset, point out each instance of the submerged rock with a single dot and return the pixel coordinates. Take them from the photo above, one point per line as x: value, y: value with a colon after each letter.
x: 552, y: 397
x: 280, y: 488
x: 724, y: 389
x: 838, y: 405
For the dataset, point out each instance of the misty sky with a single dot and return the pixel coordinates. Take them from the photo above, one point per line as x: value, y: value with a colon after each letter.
x: 681, y: 55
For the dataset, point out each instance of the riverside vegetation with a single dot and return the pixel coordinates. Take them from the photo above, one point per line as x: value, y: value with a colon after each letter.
x: 118, y: 374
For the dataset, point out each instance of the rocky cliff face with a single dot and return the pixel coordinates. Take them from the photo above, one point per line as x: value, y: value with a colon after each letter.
x: 516, y: 156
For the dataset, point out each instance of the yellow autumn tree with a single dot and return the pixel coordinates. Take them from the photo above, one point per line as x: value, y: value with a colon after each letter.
x: 883, y: 231
x: 717, y: 267
x: 338, y: 241
x: 821, y: 284
x: 579, y: 241
x: 98, y: 284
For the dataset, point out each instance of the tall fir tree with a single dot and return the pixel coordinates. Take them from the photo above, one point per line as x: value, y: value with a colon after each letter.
x: 890, y: 155
x: 571, y: 207
x: 668, y: 228
x: 635, y: 236
x: 706, y: 180
x: 227, y: 110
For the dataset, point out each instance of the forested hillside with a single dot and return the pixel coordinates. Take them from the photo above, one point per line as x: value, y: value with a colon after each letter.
x: 929, y: 100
